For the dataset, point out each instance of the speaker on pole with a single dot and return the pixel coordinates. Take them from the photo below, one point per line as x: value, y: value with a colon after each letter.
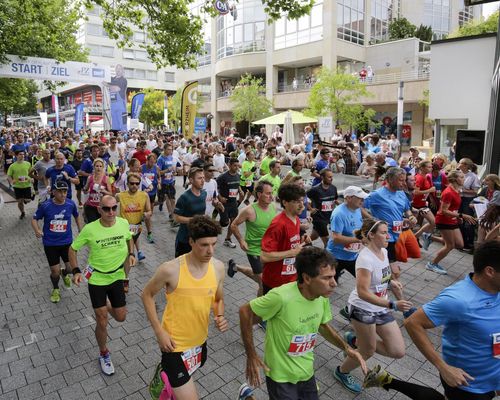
x: 470, y: 144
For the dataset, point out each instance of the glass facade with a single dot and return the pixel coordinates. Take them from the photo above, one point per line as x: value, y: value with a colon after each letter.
x: 351, y: 21
x: 242, y: 30
x: 381, y: 14
x: 309, y: 28
x: 437, y: 14
x: 465, y: 14
x: 205, y: 57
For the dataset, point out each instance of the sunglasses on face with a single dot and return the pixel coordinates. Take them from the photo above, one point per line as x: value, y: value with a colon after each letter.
x: 134, y: 183
x: 108, y: 209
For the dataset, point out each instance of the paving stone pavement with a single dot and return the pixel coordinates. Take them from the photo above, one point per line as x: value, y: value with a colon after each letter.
x: 48, y: 351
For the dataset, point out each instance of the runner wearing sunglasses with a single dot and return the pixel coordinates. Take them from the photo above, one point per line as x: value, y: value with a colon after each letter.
x: 110, y: 251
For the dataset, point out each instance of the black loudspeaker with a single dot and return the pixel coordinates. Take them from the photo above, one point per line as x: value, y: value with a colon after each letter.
x: 470, y: 144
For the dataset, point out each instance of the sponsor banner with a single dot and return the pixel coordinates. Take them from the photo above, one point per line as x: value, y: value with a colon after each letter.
x: 188, y: 109
x: 49, y: 69
x: 200, y: 125
x: 55, y: 107
x: 117, y: 89
x: 78, y: 123
x: 136, y: 107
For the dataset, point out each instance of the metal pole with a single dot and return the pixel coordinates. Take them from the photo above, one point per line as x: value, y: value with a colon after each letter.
x: 400, y: 110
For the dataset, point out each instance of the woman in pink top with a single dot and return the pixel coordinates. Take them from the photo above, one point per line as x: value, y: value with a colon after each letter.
x: 97, y: 186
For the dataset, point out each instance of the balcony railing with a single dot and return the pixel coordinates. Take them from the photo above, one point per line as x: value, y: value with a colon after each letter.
x: 241, y: 48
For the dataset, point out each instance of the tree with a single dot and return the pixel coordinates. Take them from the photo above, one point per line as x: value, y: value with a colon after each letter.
x: 17, y: 96
x: 477, y: 27
x: 175, y: 32
x: 249, y: 100
x: 152, y: 109
x: 424, y: 33
x: 338, y: 93
x: 401, y: 28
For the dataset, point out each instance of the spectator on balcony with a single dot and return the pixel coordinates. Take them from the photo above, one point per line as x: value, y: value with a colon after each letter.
x: 295, y: 83
x: 362, y: 74
x: 369, y: 74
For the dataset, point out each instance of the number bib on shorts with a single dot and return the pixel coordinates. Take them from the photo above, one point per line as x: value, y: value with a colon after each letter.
x: 59, y: 226
x: 288, y: 267
x: 397, y: 227
x: 327, y: 205
x: 233, y: 193
x: 302, y: 344
x: 192, y: 359
x: 353, y: 247
x: 135, y: 229
x: 496, y: 345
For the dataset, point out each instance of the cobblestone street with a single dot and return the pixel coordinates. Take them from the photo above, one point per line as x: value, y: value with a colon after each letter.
x: 48, y: 351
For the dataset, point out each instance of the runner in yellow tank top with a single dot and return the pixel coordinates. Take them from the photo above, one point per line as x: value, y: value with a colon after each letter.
x: 194, y: 288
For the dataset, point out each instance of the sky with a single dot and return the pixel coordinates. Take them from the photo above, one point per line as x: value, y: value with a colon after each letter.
x: 489, y: 8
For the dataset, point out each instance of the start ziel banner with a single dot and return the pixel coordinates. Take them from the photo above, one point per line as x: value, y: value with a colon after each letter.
x: 49, y: 69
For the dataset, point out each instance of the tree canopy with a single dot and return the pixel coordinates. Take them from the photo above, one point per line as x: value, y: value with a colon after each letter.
x: 17, y: 96
x: 249, y: 100
x: 152, y: 109
x: 401, y: 28
x: 477, y: 27
x: 338, y: 93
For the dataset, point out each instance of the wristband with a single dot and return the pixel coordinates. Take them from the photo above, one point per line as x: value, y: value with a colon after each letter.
x: 393, y: 305
x: 131, y: 254
x: 76, y: 270
x: 220, y: 315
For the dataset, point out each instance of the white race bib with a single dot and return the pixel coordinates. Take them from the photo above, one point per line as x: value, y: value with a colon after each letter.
x: 496, y: 345
x: 233, y: 193
x: 58, y: 226
x: 288, y: 267
x: 327, y: 205
x: 134, y: 228
x: 302, y: 344
x: 353, y: 247
x: 192, y: 359
x: 397, y: 227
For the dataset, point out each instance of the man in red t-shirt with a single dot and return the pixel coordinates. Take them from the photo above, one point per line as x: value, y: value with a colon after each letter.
x: 141, y: 153
x: 282, y: 241
x: 423, y: 188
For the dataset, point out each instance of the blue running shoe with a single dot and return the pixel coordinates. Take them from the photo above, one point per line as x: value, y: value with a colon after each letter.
x: 348, y: 381
x: 438, y: 269
x: 140, y: 256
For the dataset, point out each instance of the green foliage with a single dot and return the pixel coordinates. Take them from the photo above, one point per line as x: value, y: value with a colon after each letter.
x: 174, y: 108
x: 401, y: 28
x: 18, y: 96
x: 477, y: 27
x: 249, y: 100
x: 338, y: 93
x: 152, y: 109
x: 424, y: 33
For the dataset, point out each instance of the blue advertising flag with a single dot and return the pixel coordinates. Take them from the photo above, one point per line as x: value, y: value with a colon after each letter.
x: 78, y: 126
x: 136, y: 107
x: 200, y: 125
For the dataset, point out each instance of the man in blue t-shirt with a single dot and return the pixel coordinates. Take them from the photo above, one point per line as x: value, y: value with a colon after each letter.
x: 167, y: 165
x: 320, y: 165
x: 189, y: 204
x: 56, y: 234
x: 61, y: 172
x: 469, y: 310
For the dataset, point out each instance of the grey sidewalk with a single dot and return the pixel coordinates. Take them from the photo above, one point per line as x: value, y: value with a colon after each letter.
x: 48, y: 351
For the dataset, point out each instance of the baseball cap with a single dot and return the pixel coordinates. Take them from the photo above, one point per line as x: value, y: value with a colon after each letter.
x: 61, y: 185
x: 355, y: 191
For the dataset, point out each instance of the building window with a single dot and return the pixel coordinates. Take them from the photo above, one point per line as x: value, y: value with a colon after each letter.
x: 351, y: 21
x: 437, y: 14
x: 128, y: 53
x: 309, y: 28
x: 139, y: 37
x: 96, y: 30
x: 465, y: 14
x: 93, y: 49
x: 100, y: 51
x: 95, y: 10
x: 381, y: 14
x: 169, y: 77
x: 107, y: 51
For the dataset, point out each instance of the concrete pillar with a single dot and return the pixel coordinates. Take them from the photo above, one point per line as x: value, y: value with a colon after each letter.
x: 214, y: 81
x: 367, y: 21
x: 330, y: 33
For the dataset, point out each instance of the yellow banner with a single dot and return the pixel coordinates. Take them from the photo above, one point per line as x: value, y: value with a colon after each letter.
x: 188, y: 109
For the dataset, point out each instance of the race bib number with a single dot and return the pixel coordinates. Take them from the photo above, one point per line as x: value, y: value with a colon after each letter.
x: 353, y: 247
x: 192, y: 359
x: 168, y: 175
x: 135, y: 229
x: 302, y: 344
x: 327, y: 205
x: 87, y: 272
x: 496, y: 345
x: 381, y: 290
x: 58, y: 226
x: 233, y: 193
x: 397, y: 227
x: 22, y: 178
x: 288, y: 267
x: 248, y: 183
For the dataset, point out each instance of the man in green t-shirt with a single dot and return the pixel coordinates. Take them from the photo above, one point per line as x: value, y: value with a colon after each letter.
x: 264, y: 164
x: 273, y: 177
x: 295, y: 313
x: 18, y: 176
x: 247, y: 175
x: 111, y: 250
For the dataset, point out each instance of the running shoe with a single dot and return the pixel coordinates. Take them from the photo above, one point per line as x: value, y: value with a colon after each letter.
x: 160, y: 207
x: 140, y: 255
x: 344, y: 312
x: 407, y: 314
x: 245, y: 391
x: 156, y: 385
x: 174, y: 224
x: 350, y: 338
x: 377, y: 377
x: 55, y: 296
x: 426, y: 240
x: 67, y: 280
x: 125, y: 285
x: 230, y: 244
x: 262, y: 325
x: 348, y: 381
x: 23, y: 214
x: 231, y: 268
x: 438, y: 269
x: 106, y: 364
x: 150, y: 237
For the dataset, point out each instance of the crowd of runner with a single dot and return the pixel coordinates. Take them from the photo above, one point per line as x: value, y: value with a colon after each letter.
x: 301, y: 234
